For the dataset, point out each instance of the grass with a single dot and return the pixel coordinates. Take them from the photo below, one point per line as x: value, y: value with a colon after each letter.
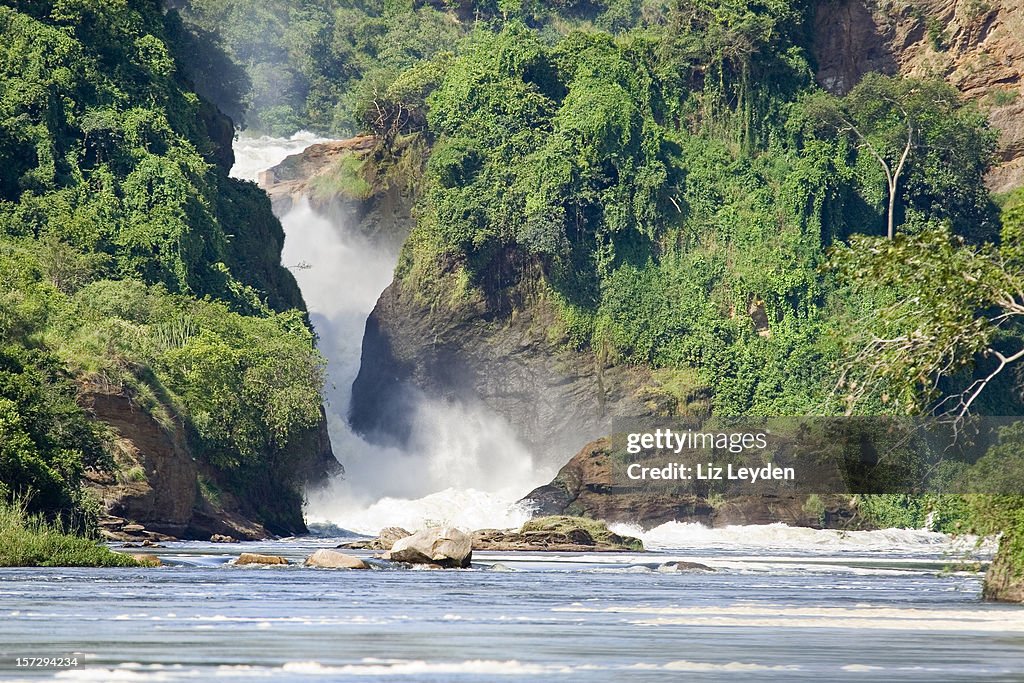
x: 30, y: 541
x: 598, y: 530
x: 347, y: 178
x: 134, y: 474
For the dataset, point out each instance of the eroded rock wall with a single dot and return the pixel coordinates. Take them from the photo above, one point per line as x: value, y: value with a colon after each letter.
x: 589, y: 486
x: 975, y: 45
x: 507, y: 355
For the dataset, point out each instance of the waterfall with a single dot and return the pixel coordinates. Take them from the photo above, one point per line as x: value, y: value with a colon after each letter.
x: 463, y: 464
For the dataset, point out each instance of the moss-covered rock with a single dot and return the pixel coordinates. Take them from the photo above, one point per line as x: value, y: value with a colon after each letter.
x: 1004, y: 580
x: 556, y: 533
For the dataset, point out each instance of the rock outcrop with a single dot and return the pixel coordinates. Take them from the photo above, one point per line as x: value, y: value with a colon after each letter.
x: 153, y: 492
x: 340, y: 179
x: 548, y: 534
x: 587, y: 487
x: 556, y: 534
x: 446, y: 547
x: 474, y: 349
x: 332, y: 559
x: 978, y: 47
x: 1004, y: 580
x: 257, y: 559
x: 155, y: 482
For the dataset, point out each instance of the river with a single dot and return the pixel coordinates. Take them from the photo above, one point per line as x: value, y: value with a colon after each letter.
x: 783, y: 604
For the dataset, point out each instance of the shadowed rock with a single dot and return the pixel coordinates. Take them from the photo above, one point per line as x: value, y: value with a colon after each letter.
x: 255, y: 558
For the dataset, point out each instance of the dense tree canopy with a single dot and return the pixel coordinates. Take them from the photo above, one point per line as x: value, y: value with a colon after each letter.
x: 129, y: 260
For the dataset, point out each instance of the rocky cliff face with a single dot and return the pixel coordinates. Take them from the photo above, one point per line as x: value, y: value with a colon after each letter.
x: 587, y: 487
x: 977, y: 46
x: 341, y: 180
x: 154, y: 491
x: 1004, y: 580
x: 157, y: 483
x: 497, y: 349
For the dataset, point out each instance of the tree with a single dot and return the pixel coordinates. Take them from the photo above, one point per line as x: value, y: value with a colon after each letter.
x: 936, y: 306
x: 932, y: 150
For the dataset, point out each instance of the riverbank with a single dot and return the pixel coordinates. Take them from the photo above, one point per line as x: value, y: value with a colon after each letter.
x: 29, y: 541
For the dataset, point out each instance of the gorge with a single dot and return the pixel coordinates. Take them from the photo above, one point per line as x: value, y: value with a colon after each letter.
x: 351, y: 385
x: 548, y: 228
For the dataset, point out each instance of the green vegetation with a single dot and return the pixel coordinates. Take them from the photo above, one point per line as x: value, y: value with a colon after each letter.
x: 282, y: 65
x: 666, y: 174
x: 131, y: 264
x: 30, y: 541
x: 597, y: 531
x: 45, y: 439
x: 676, y: 220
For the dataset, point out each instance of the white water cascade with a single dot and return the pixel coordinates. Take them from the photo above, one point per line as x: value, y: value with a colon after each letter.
x: 463, y: 464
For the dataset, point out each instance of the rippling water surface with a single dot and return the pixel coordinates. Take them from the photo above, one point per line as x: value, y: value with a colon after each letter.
x: 841, y: 609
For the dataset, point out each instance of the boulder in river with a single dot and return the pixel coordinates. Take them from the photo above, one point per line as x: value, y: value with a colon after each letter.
x: 332, y: 559
x: 148, y: 560
x: 255, y: 558
x: 444, y: 546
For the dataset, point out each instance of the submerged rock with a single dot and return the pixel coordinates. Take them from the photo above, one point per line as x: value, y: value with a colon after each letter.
x: 255, y: 558
x: 445, y: 546
x: 499, y: 567
x: 332, y: 559
x: 680, y: 566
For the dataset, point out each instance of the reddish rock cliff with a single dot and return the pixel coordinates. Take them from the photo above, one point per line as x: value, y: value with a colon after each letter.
x: 976, y: 45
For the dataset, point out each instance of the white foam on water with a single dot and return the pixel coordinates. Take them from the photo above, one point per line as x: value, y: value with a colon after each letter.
x: 866, y: 617
x: 375, y: 667
x: 738, y: 667
x: 780, y: 537
x: 254, y: 154
x: 466, y: 509
x: 125, y: 672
